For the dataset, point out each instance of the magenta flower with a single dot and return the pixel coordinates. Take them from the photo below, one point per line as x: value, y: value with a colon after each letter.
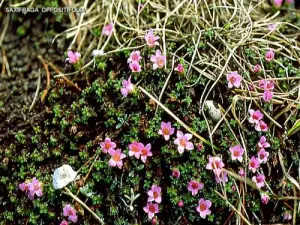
x: 277, y: 3
x: 135, y: 149
x: 151, y: 209
x: 265, y: 198
x: 234, y: 79
x: 183, y: 142
x: 259, y: 180
x: 34, y: 188
x: 127, y: 88
x: 263, y: 156
x: 270, y: 55
x: 253, y: 164
x: 261, y: 126
x: 64, y: 222
x: 180, y: 204
x: 203, y: 207
x: 135, y: 67
x: 215, y: 164
x: 166, y: 130
x: 134, y: 56
x: 24, y: 186
x: 267, y: 85
x: 272, y: 27
x: 263, y: 142
x: 73, y: 57
x: 179, y: 69
x: 69, y: 211
x: 108, y: 29
x: 154, y: 194
x: 176, y: 173
x: 159, y: 60
x: 222, y: 177
x: 145, y: 152
x: 241, y: 172
x: 116, y: 158
x: 194, y: 186
x: 257, y: 68
x: 107, y: 145
x: 255, y: 116
x: 151, y: 39
x: 237, y: 153
x: 267, y: 96
x: 287, y: 216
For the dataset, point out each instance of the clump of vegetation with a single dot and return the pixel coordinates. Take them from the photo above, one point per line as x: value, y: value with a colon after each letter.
x: 130, y: 113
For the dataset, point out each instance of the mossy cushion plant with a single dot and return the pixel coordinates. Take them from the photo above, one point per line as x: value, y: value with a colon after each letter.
x: 130, y: 122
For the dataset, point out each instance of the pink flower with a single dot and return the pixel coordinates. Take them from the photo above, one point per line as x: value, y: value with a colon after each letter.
x: 127, y: 87
x: 108, y: 29
x: 259, y: 180
x: 159, y: 60
x: 234, y: 79
x: 277, y: 3
x: 194, y: 186
x: 166, y: 130
x: 180, y: 204
x: 267, y: 85
x: 183, y: 142
x: 263, y: 142
x: 69, y: 211
x: 107, y: 145
x: 265, y: 198
x: 24, y: 186
x: 255, y: 116
x: 116, y: 158
x: 261, y: 126
x: 222, y: 177
x: 267, y: 96
x: 203, y: 207
x: 151, y: 209
x: 253, y: 164
x: 179, y: 69
x: 257, y: 68
x: 272, y: 27
x: 134, y: 56
x: 73, y: 57
x: 237, y: 153
x: 154, y: 194
x: 135, y: 149
x: 263, y: 156
x: 176, y: 173
x: 64, y: 222
x: 135, y: 67
x: 241, y: 172
x: 151, y: 39
x: 270, y: 55
x: 215, y: 164
x: 287, y: 216
x: 145, y: 152
x: 34, y: 188
x: 199, y: 147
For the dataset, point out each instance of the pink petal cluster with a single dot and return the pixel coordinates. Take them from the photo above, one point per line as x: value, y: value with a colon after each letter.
x: 138, y: 150
x: 259, y: 180
x: 222, y: 177
x: 183, y: 142
x: 270, y: 55
x: 203, y: 207
x: 241, y: 172
x: 265, y: 198
x: 176, y: 173
x: 194, y: 186
x: 261, y: 126
x: 263, y: 155
x: 135, y: 67
x: 234, y: 79
x: 32, y: 188
x: 64, y: 222
x: 159, y: 60
x: 145, y: 152
x: 166, y: 130
x: 253, y: 164
x: 237, y: 153
x: 116, y: 158
x: 257, y: 68
x: 107, y: 145
x: 154, y: 194
x: 277, y: 3
x: 127, y: 88
x: 179, y: 69
x: 263, y: 142
x: 73, y: 57
x: 151, y: 39
x: 151, y: 209
x: 268, y: 87
x: 70, y: 212
x: 256, y: 118
x: 108, y: 29
x: 287, y: 216
x: 133, y: 61
x: 215, y: 164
